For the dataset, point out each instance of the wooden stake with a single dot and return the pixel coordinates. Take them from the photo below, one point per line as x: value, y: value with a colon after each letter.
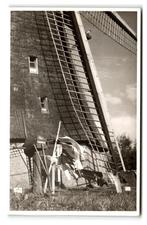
x: 37, y: 186
x: 40, y: 160
x: 53, y: 177
x: 117, y: 184
x: 58, y: 152
x: 45, y: 162
x: 116, y: 181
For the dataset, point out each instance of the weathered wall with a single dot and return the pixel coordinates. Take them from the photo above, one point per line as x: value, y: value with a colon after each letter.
x: 30, y: 36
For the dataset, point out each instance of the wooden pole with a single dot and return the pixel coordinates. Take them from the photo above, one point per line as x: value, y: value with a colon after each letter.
x: 116, y: 181
x: 53, y: 177
x: 40, y: 160
x: 117, y: 184
x: 57, y: 136
x: 54, y: 154
x: 59, y: 151
x: 25, y: 127
x: 120, y: 155
x: 45, y: 162
x: 37, y: 186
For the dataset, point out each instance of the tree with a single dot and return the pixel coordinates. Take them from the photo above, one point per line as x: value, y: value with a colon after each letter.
x: 128, y: 150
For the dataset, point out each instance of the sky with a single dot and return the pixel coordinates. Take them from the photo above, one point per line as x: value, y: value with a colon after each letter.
x: 117, y: 71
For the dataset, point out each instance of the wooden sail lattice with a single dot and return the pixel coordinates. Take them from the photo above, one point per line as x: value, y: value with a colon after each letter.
x: 79, y: 88
x: 111, y: 24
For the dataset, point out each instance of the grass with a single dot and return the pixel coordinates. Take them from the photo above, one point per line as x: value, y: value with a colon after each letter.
x: 76, y: 200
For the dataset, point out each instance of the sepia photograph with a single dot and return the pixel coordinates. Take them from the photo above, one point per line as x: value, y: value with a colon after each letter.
x: 75, y: 111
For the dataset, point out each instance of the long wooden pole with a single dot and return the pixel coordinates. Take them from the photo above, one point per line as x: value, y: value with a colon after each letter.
x: 53, y: 177
x: 25, y: 127
x: 45, y: 162
x: 59, y: 150
x: 44, y: 165
x: 40, y: 159
x: 54, y: 154
x: 37, y: 185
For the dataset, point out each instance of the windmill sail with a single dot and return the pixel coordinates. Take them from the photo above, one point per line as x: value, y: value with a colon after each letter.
x: 115, y: 27
x: 81, y: 80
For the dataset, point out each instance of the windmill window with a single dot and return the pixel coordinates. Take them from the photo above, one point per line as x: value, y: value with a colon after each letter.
x: 44, y: 104
x: 33, y: 64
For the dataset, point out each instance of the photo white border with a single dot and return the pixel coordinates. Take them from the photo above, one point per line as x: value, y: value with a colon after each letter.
x: 97, y: 213
x: 4, y: 118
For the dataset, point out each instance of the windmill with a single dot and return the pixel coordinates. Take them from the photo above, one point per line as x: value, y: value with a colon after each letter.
x: 71, y: 83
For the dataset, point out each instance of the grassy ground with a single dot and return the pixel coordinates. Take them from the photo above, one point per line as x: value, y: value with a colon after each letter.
x: 76, y: 200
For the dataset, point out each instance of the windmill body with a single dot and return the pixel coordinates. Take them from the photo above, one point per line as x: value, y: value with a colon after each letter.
x: 53, y: 78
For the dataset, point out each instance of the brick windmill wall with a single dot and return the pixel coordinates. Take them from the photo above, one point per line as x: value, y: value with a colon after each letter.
x: 30, y: 37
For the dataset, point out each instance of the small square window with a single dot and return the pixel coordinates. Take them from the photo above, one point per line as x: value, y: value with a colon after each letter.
x: 33, y: 64
x: 44, y: 104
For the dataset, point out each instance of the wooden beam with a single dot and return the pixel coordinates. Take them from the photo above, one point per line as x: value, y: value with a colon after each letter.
x: 122, y: 23
x: 37, y: 184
